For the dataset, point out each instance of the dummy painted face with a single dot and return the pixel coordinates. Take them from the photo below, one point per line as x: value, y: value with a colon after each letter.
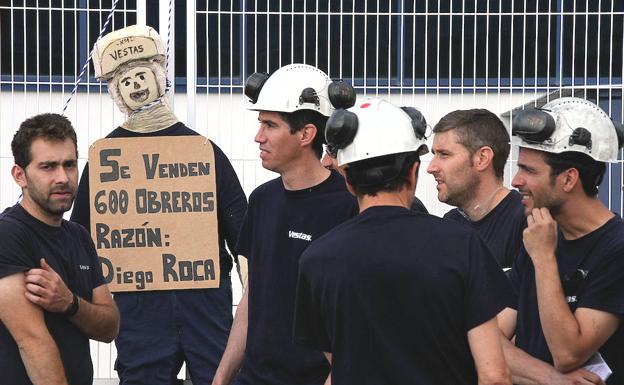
x: 138, y: 87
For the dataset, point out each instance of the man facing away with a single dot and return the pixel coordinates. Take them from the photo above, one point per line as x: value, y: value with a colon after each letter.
x: 569, y: 276
x: 53, y: 293
x: 284, y: 216
x: 470, y: 149
x: 392, y: 296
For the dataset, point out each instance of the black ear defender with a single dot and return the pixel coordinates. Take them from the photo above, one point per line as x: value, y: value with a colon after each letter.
x: 254, y: 85
x: 619, y: 130
x: 308, y: 95
x: 341, y: 128
x: 582, y: 137
x: 341, y: 94
x: 419, y: 123
x: 533, y: 125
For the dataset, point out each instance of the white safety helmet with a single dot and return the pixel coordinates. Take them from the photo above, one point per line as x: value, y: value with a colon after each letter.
x: 297, y: 87
x: 136, y: 42
x: 569, y: 124
x: 374, y: 128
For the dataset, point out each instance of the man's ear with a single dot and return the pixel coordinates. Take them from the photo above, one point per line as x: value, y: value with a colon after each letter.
x: 570, y: 178
x: 19, y: 175
x: 412, y: 175
x: 350, y: 187
x: 307, y: 134
x: 483, y: 158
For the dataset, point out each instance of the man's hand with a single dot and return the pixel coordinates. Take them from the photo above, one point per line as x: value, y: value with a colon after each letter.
x: 540, y: 236
x: 44, y: 287
x: 582, y: 376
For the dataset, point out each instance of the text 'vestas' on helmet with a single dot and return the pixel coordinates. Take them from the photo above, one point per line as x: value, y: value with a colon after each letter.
x: 298, y: 87
x: 569, y: 124
x: 374, y: 128
x: 136, y: 42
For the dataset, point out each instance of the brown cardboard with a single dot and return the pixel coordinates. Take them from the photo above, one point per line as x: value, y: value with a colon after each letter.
x: 144, y: 239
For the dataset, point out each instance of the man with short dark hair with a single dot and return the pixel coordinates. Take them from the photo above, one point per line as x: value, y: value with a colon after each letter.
x: 470, y: 149
x: 53, y: 293
x: 569, y: 276
x: 284, y: 216
x: 392, y: 296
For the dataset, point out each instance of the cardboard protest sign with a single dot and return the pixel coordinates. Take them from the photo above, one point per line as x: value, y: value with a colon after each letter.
x: 154, y: 212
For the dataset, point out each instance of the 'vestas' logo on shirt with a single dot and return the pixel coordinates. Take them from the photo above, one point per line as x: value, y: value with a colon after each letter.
x: 305, y: 237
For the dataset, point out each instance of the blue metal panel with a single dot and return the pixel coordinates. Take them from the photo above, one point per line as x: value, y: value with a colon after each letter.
x: 610, y: 191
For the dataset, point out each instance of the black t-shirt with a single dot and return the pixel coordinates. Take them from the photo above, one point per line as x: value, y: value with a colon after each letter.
x: 501, y: 228
x: 231, y: 202
x: 68, y: 249
x: 418, y: 206
x: 600, y: 254
x: 391, y: 294
x: 279, y: 225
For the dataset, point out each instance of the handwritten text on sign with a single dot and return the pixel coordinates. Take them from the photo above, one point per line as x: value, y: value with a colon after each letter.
x: 154, y: 212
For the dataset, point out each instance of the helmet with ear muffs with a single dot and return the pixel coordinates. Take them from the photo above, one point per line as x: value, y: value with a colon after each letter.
x: 298, y: 87
x: 375, y: 128
x: 569, y: 124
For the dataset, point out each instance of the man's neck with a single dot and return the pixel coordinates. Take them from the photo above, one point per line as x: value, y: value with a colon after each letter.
x: 34, y: 210
x: 579, y: 217
x: 402, y: 198
x: 487, y: 196
x: 304, y: 173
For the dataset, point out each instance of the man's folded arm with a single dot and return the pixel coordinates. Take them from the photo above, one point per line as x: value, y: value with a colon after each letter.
x: 25, y: 321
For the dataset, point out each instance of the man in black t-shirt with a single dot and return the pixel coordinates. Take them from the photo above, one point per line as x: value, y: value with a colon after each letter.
x: 392, y: 296
x: 284, y: 216
x: 53, y: 293
x: 470, y: 149
x: 569, y: 277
